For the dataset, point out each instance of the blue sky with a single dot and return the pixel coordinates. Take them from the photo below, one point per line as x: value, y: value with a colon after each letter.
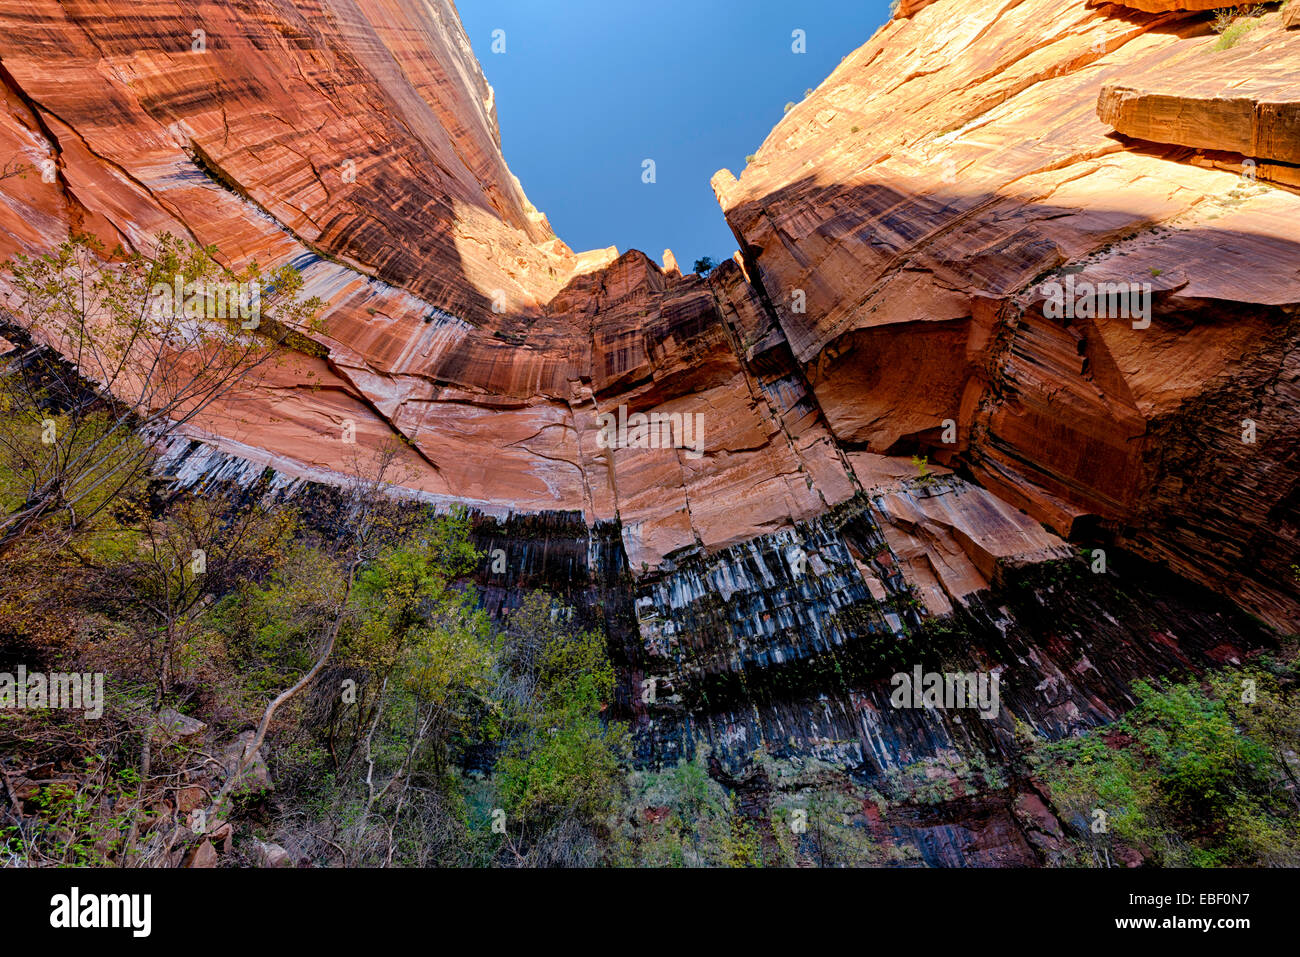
x: 588, y: 89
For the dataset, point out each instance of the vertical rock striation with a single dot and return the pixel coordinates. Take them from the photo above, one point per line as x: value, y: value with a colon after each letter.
x: 903, y: 233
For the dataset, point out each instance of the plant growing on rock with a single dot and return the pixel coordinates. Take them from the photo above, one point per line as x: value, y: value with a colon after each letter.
x: 1192, y: 776
x: 560, y: 776
x: 925, y: 476
x: 1234, y: 23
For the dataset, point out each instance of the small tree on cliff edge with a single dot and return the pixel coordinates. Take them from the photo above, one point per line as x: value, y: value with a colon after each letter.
x: 705, y: 265
x: 118, y: 348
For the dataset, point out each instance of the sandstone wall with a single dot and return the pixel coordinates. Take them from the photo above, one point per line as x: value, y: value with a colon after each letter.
x: 919, y: 199
x: 913, y: 206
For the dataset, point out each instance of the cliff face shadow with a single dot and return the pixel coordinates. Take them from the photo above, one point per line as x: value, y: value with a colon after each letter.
x: 1142, y: 390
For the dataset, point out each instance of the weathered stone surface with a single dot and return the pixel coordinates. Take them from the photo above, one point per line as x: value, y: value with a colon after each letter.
x: 898, y: 227
x: 187, y: 799
x: 907, y: 8
x: 203, y: 856
x: 953, y: 537
x: 356, y: 141
x: 1167, y: 6
x: 500, y: 406
x: 978, y: 170
x: 271, y: 855
x: 1202, y: 112
x: 255, y: 779
x: 173, y: 725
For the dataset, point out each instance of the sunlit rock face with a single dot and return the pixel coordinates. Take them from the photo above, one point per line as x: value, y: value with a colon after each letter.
x: 923, y: 241
x: 358, y: 141
x: 897, y: 227
x: 950, y: 174
x: 1166, y: 6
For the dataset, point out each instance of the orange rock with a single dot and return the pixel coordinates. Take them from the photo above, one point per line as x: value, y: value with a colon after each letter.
x: 1165, y: 6
x: 979, y: 169
x: 1245, y: 99
x: 898, y: 227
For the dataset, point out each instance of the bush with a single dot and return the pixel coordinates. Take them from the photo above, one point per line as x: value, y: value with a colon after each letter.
x: 1193, y: 776
x: 1233, y: 24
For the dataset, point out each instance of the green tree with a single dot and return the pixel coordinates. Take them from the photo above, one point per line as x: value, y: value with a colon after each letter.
x: 1188, y: 777
x: 110, y: 355
x: 561, y: 775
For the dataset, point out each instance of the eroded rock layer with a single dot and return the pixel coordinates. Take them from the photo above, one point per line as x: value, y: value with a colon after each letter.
x: 909, y: 220
x: 907, y: 234
x: 909, y: 207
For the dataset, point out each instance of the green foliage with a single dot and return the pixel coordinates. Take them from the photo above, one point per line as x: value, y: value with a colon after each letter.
x: 1191, y: 777
x: 270, y: 627
x: 924, y: 475
x: 80, y: 822
x: 828, y: 830
x: 680, y: 817
x: 570, y: 769
x: 741, y: 845
x: 110, y: 357
x: 563, y: 761
x: 1233, y: 24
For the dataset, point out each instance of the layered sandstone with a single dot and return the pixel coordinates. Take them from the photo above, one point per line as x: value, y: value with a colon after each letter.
x: 920, y: 199
x: 1166, y: 6
x: 895, y: 228
x: 899, y: 442
x: 359, y: 143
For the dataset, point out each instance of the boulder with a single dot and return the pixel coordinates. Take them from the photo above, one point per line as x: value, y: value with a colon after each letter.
x: 271, y: 855
x: 256, y: 776
x: 205, y: 855
x: 190, y: 798
x: 174, y: 726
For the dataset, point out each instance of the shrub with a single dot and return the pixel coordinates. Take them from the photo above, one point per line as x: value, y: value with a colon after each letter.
x: 1233, y: 24
x: 1190, y: 777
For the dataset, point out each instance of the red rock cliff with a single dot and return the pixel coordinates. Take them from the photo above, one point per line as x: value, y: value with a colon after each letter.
x: 913, y: 207
x: 923, y: 199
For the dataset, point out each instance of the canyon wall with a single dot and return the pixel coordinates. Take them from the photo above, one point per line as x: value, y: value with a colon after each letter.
x: 917, y: 204
x: 900, y: 233
x: 909, y: 206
